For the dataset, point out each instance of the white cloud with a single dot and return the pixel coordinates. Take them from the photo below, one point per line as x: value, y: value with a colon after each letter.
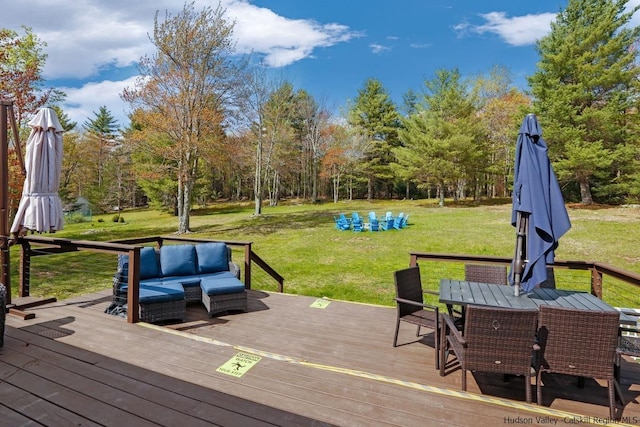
x: 420, y: 45
x: 378, y: 48
x: 81, y: 102
x: 516, y: 31
x: 86, y: 37
x: 282, y: 41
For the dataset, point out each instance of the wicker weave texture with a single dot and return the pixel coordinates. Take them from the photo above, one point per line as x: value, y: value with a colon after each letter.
x: 499, y: 340
x: 192, y: 293
x: 578, y: 342
x: 485, y: 273
x: 161, y: 311
x: 496, y: 340
x: 220, y: 303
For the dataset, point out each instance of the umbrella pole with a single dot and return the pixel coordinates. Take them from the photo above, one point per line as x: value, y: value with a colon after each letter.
x: 519, y: 260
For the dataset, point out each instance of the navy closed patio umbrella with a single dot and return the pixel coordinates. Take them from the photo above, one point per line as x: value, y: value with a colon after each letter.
x: 538, y: 213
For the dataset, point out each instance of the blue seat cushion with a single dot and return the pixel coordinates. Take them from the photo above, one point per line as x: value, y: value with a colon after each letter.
x: 212, y: 257
x: 221, y: 286
x: 178, y: 260
x: 155, y: 291
x: 218, y: 275
x: 149, y: 267
x: 184, y: 281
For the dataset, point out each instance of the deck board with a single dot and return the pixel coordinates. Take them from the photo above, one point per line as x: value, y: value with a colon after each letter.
x: 334, y: 365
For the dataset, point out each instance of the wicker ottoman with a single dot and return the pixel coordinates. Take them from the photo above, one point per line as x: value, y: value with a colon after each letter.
x: 160, y: 302
x: 223, y: 294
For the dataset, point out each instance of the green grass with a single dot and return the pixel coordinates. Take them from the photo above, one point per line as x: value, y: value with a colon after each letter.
x: 301, y: 243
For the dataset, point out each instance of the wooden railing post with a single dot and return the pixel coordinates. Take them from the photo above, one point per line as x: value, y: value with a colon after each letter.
x: 133, y: 286
x: 413, y: 261
x: 247, y: 266
x: 596, y: 282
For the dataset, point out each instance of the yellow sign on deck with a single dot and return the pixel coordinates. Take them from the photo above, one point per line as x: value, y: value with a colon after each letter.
x: 320, y: 303
x: 239, y: 364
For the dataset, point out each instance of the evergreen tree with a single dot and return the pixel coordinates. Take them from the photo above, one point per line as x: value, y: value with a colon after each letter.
x: 101, y: 139
x: 64, y: 119
x: 376, y: 118
x: 442, y: 143
x: 585, y: 90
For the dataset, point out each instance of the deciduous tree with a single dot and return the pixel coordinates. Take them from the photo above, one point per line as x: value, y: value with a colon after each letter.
x: 188, y: 90
x: 21, y: 63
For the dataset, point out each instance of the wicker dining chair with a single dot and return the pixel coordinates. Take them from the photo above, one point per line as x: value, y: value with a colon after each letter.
x: 411, y: 307
x: 629, y: 340
x: 482, y: 273
x: 495, y: 340
x: 496, y: 274
x: 577, y: 342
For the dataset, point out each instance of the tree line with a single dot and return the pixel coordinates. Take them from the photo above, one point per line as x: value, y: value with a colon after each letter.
x: 207, y: 123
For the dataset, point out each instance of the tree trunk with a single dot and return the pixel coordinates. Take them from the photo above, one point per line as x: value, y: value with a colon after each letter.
x: 441, y: 193
x: 314, y: 181
x: 275, y: 190
x: 585, y: 191
x: 370, y: 188
x: 257, y: 183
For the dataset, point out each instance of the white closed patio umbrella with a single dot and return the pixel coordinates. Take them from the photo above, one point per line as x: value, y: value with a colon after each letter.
x: 40, y: 208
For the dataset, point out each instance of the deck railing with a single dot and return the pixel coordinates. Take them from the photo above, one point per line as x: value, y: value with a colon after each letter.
x: 32, y: 246
x: 597, y: 269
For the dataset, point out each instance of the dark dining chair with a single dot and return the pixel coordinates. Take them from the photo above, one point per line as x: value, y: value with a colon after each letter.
x: 496, y: 274
x: 580, y: 343
x: 629, y: 340
x: 495, y: 340
x: 411, y: 307
x: 482, y: 273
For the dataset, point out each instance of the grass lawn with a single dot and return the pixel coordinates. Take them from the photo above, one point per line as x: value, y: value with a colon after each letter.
x: 301, y: 243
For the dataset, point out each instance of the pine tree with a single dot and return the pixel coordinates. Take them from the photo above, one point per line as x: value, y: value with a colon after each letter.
x: 376, y: 118
x: 100, y: 140
x: 585, y: 92
x: 441, y: 140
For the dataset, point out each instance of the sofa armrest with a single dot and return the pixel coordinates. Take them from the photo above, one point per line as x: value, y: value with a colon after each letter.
x: 235, y: 269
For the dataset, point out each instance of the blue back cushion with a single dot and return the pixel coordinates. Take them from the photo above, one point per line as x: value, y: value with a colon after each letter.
x: 212, y: 257
x: 178, y: 260
x: 149, y: 267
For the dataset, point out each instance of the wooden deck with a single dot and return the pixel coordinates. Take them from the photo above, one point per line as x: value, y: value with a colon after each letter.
x: 75, y: 365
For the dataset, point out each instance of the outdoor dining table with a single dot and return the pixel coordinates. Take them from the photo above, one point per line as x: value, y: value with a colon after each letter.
x: 462, y: 292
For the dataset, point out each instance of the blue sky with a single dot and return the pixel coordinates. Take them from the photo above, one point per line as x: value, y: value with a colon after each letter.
x: 327, y: 47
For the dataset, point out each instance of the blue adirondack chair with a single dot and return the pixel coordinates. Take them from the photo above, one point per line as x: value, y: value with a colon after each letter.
x: 342, y: 222
x: 374, y: 224
x: 397, y: 224
x: 405, y: 221
x: 387, y: 223
x: 357, y: 222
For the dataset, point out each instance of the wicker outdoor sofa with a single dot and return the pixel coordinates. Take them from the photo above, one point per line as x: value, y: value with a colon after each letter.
x: 179, y: 274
